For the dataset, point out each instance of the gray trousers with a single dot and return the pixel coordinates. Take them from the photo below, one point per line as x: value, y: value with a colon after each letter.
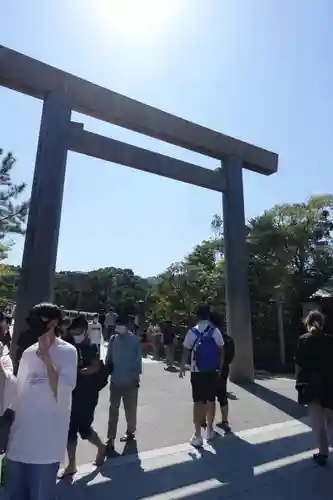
x: 322, y: 426
x: 128, y: 394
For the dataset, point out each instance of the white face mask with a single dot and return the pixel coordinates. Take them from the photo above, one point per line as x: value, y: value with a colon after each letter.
x: 121, y: 329
x: 78, y: 339
x: 95, y: 320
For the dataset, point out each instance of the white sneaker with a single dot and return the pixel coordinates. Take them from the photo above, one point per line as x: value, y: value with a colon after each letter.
x: 196, y: 441
x: 210, y: 434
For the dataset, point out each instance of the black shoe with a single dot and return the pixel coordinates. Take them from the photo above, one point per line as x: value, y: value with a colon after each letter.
x: 320, y: 459
x: 109, y: 451
x: 127, y: 437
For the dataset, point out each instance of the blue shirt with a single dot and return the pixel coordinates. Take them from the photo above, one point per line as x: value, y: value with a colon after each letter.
x: 124, y: 351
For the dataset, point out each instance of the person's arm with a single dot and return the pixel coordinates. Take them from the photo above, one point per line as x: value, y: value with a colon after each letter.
x: 187, y: 346
x: 108, y: 359
x: 93, y: 368
x: 95, y: 363
x: 137, y: 358
x: 10, y: 389
x: 66, y: 376
x: 218, y: 337
x: 52, y: 374
x: 67, y: 373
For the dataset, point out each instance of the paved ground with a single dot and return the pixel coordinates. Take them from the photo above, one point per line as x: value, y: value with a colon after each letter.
x: 165, y: 409
x: 269, y: 463
x: 267, y: 457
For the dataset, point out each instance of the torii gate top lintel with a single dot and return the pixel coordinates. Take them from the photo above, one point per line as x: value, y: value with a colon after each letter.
x: 37, y: 79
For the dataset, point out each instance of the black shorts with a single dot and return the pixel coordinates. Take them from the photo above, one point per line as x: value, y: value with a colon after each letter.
x: 204, y: 386
x: 221, y: 390
x: 82, y: 417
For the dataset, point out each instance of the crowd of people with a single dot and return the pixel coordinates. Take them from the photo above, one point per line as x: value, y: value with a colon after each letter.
x: 53, y: 397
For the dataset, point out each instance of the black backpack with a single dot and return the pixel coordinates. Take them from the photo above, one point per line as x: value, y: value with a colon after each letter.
x: 229, y: 348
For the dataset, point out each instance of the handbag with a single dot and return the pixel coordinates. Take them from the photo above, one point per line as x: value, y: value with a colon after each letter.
x: 308, y: 386
x: 102, y: 376
x: 6, y: 422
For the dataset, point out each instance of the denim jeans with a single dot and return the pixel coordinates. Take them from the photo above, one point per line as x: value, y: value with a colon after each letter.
x: 30, y: 481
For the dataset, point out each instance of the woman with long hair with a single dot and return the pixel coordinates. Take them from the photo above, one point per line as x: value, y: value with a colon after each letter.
x: 314, y: 381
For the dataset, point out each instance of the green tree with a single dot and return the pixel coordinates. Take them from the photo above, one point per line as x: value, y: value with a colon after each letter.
x: 13, y: 213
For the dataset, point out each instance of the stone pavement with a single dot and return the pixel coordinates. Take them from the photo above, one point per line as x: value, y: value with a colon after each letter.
x: 165, y: 409
x: 268, y: 463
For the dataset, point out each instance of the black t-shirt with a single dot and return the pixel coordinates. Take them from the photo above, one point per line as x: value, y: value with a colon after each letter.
x: 101, y: 319
x: 314, y: 357
x: 86, y: 354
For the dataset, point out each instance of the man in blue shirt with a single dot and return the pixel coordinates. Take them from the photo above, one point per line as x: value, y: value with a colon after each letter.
x: 124, y: 363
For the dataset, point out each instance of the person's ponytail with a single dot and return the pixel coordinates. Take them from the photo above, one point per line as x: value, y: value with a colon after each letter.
x: 314, y: 322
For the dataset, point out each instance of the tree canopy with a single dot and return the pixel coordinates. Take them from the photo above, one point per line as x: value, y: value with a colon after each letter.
x: 290, y: 250
x: 13, y: 212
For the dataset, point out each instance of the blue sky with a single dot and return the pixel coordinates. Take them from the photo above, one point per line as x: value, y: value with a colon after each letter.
x: 259, y: 70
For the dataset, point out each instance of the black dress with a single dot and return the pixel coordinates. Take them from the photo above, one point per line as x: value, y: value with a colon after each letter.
x: 314, y: 358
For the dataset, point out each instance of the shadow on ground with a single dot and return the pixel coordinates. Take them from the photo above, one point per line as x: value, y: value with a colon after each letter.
x: 234, y: 468
x: 276, y: 399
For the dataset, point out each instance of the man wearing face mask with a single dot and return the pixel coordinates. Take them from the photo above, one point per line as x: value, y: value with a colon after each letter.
x: 124, y: 363
x: 45, y: 381
x: 85, y: 395
x: 95, y: 333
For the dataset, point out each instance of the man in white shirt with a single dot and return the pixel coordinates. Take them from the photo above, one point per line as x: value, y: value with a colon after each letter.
x: 110, y: 324
x: 38, y: 437
x: 205, y: 343
x: 154, y: 333
x: 95, y: 333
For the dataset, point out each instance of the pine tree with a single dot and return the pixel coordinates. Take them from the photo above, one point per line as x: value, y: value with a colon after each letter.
x: 13, y: 213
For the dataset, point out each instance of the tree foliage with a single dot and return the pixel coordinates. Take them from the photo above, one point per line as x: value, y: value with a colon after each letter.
x: 290, y: 251
x: 13, y: 212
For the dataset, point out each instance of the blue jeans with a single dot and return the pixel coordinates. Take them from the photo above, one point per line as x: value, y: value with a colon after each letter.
x: 30, y: 481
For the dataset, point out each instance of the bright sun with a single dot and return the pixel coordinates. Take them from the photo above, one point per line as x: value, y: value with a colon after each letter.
x: 136, y: 15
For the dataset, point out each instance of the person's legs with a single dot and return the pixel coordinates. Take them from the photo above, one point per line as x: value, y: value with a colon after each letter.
x: 86, y: 430
x: 71, y: 468
x: 42, y: 481
x: 156, y: 347
x: 319, y: 429
x: 199, y: 408
x: 209, y: 388
x: 98, y: 348
x: 222, y: 397
x: 16, y: 485
x: 130, y: 400
x: 168, y: 355
x: 115, y: 399
x: 329, y: 424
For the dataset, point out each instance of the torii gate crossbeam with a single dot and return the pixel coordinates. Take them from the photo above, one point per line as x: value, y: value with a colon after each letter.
x: 63, y: 93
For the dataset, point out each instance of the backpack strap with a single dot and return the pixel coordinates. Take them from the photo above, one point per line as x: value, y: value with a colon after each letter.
x: 209, y: 330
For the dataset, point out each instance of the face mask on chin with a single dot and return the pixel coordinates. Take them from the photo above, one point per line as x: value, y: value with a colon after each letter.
x: 121, y: 329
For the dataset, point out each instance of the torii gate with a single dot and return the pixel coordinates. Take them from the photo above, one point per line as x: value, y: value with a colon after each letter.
x: 63, y: 93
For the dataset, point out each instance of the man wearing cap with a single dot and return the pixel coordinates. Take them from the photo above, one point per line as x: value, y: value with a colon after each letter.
x: 45, y: 381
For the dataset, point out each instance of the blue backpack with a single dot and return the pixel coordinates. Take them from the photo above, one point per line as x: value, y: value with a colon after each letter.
x: 206, y: 353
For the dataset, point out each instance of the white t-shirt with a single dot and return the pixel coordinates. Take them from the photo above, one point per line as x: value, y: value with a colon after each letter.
x: 95, y: 333
x: 110, y: 319
x: 8, y: 382
x: 154, y: 330
x: 191, y: 337
x: 40, y: 429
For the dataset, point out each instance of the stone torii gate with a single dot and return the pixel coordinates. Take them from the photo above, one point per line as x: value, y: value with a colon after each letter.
x: 63, y: 93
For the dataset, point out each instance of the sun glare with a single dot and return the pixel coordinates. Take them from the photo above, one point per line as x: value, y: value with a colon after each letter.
x: 134, y: 16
